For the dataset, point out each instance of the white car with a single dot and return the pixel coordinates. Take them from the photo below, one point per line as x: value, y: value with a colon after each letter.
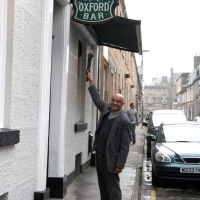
x: 157, y: 117
x: 168, y: 116
x: 196, y: 119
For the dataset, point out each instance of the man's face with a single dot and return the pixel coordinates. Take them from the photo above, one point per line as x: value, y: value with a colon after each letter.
x: 117, y: 102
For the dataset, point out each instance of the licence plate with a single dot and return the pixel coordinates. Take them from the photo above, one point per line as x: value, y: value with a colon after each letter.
x: 194, y: 170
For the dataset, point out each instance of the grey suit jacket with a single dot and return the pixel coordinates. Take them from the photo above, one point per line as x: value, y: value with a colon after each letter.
x: 119, y: 138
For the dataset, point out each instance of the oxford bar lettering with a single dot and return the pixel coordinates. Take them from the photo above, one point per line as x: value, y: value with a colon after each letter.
x: 93, y: 16
x: 93, y: 7
x: 93, y: 11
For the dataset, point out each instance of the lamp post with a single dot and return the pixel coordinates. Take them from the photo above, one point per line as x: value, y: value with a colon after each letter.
x: 142, y: 65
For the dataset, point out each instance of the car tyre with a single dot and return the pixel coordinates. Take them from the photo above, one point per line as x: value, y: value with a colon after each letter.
x: 148, y: 149
x: 148, y: 153
x: 155, y: 180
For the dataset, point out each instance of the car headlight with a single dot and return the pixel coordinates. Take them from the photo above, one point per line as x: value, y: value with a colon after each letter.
x: 162, y: 157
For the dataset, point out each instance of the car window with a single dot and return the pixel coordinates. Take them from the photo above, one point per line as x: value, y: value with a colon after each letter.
x: 184, y: 133
x: 161, y: 137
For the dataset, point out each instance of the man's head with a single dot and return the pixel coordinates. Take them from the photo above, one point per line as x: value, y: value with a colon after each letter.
x: 117, y: 102
x: 132, y: 105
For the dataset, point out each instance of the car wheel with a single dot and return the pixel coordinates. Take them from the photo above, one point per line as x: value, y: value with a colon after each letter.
x: 148, y: 153
x: 155, y: 180
x: 148, y: 149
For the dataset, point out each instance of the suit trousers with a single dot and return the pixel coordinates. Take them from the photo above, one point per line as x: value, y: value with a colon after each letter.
x: 108, y: 182
x: 133, y: 126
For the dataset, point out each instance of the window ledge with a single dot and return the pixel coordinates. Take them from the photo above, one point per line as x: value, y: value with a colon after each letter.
x: 80, y: 126
x: 8, y: 137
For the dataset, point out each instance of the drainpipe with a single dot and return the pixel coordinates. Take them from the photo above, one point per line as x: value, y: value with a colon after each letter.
x: 45, y: 74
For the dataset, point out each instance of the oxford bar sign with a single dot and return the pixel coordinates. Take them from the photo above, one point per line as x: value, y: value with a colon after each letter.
x: 94, y: 11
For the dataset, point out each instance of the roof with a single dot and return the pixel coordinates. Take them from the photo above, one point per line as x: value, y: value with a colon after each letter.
x: 182, y: 123
x: 167, y: 111
x: 175, y: 77
x: 168, y: 116
x: 120, y: 33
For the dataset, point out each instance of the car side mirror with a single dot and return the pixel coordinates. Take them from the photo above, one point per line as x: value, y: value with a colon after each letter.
x: 145, y: 124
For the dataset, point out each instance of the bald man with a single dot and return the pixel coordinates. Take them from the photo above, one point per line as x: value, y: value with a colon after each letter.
x: 112, y: 141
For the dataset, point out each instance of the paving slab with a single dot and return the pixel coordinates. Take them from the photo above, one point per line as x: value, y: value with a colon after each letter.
x: 85, y: 186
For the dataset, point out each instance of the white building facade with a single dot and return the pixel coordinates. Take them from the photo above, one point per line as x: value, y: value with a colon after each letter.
x: 45, y: 108
x: 47, y: 118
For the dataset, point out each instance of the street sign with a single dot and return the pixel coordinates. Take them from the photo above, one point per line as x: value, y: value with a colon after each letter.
x: 93, y: 11
x: 175, y: 101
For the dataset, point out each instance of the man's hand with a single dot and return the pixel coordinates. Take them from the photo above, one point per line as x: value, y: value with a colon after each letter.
x: 117, y: 170
x: 89, y: 76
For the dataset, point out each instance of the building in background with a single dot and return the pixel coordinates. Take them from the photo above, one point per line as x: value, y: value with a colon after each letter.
x: 185, y: 91
x: 180, y: 101
x: 156, y: 95
x: 196, y: 83
x: 182, y: 92
x: 173, y: 101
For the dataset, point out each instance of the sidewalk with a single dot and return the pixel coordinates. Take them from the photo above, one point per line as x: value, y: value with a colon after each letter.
x: 85, y: 187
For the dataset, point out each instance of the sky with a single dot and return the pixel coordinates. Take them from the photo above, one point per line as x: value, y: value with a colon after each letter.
x: 170, y: 34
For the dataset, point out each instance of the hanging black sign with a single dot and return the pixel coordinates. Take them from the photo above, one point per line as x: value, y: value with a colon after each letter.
x: 94, y: 11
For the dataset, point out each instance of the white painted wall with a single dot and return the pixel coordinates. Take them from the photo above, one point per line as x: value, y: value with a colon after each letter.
x: 75, y: 142
x: 18, y: 162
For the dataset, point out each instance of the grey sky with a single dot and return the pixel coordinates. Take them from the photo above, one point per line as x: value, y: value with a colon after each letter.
x: 171, y: 33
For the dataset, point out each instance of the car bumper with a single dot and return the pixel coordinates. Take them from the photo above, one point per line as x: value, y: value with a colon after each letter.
x: 172, y: 171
